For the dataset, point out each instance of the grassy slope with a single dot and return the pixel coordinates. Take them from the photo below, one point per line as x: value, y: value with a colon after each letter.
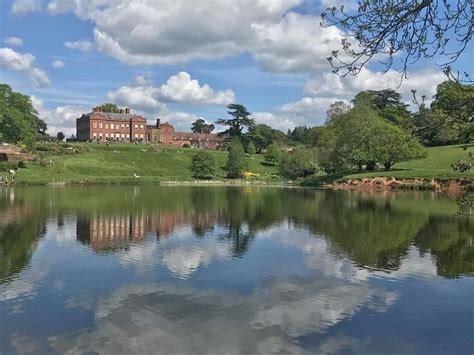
x: 437, y: 164
x: 101, y: 165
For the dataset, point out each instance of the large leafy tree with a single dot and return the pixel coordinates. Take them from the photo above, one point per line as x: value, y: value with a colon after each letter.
x: 456, y: 100
x: 240, y: 120
x: 388, y: 104
x: 261, y: 135
x: 109, y: 107
x: 200, y: 126
x: 361, y: 137
x: 405, y: 29
x: 19, y: 121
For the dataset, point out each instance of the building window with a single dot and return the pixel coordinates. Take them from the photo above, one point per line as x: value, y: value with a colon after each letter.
x: 136, y: 126
x: 141, y: 126
x: 106, y: 126
x: 128, y: 136
x: 95, y: 134
x: 107, y: 135
x: 128, y: 126
x: 94, y: 125
x: 101, y: 125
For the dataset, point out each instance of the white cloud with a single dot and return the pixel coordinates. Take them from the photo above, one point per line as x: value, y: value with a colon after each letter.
x: 57, y: 64
x: 20, y: 7
x: 23, y: 62
x: 169, y: 32
x: 13, y: 41
x: 142, y: 98
x: 62, y: 118
x: 332, y: 85
x: 82, y: 45
x: 181, y: 88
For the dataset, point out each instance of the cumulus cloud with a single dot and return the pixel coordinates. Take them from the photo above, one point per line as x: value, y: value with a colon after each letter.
x: 20, y: 7
x: 82, y: 45
x: 62, y: 118
x: 181, y: 88
x: 13, y: 41
x: 331, y: 85
x: 168, y: 32
x: 23, y: 62
x: 57, y: 64
x: 144, y: 96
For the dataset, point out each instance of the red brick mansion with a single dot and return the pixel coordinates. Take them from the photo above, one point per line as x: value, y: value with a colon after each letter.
x: 127, y: 127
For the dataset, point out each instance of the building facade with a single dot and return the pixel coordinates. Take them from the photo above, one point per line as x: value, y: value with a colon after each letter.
x: 108, y: 126
x: 100, y: 126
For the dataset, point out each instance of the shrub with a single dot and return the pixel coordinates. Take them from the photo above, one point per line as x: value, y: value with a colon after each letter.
x: 236, y: 159
x: 251, y: 149
x: 299, y: 163
x: 272, y: 157
x: 203, y: 165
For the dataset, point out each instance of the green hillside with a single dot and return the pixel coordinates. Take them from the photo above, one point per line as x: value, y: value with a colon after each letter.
x: 98, y: 163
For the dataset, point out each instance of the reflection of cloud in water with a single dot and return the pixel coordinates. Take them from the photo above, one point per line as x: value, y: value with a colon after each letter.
x: 180, y: 253
x: 181, y: 320
x: 320, y: 255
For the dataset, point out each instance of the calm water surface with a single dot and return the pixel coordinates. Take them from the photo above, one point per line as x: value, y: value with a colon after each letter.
x: 193, y: 270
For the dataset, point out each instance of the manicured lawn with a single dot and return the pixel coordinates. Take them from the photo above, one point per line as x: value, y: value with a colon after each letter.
x: 436, y: 165
x: 99, y: 164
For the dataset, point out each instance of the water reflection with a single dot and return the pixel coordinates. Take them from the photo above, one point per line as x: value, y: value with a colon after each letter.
x: 231, y: 270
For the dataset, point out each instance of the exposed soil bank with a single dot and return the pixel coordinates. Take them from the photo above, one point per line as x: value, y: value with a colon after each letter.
x: 450, y: 187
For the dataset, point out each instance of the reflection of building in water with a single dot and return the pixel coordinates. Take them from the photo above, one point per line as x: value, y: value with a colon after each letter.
x: 112, y: 232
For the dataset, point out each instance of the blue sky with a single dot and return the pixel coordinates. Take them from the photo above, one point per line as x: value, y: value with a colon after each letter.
x: 180, y: 60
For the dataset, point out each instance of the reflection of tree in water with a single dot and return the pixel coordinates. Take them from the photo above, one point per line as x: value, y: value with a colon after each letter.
x: 451, y: 242
x: 19, y: 235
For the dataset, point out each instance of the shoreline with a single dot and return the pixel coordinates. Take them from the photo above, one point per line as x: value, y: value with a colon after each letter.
x: 451, y: 187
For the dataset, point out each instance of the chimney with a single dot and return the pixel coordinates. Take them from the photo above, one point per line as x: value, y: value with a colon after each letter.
x: 127, y: 110
x: 121, y: 110
x: 97, y: 109
x: 94, y: 109
x: 158, y: 123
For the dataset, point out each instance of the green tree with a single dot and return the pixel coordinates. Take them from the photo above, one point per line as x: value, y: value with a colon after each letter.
x: 299, y: 163
x: 299, y: 134
x: 435, y: 127
x: 261, y: 135
x: 19, y: 121
x: 200, y: 126
x: 335, y: 109
x: 236, y: 159
x: 240, y: 120
x: 109, y: 107
x: 251, y: 149
x: 60, y: 136
x: 392, y: 145
x: 203, y: 165
x: 273, y: 154
x: 456, y: 100
x: 388, y: 105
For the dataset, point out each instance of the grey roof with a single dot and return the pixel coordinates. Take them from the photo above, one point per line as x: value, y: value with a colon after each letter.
x: 114, y: 116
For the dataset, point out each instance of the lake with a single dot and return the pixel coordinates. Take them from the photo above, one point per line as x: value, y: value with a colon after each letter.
x: 234, y: 270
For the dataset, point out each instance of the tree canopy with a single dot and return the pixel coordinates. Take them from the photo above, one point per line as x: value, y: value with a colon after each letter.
x: 109, y: 107
x: 236, y: 159
x: 19, y: 121
x: 240, y: 120
x: 200, y: 126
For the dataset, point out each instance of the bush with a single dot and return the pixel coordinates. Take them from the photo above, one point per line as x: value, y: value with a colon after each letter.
x: 21, y: 165
x: 272, y: 157
x: 203, y: 165
x: 251, y: 149
x: 297, y: 164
